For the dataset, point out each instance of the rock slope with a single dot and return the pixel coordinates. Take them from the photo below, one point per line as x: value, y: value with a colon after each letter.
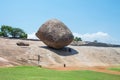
x: 37, y: 53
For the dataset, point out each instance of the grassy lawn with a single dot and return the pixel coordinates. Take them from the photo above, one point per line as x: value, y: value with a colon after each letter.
x: 36, y: 73
x: 115, y: 69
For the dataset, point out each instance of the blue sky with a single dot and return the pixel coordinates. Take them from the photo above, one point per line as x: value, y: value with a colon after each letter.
x: 89, y: 19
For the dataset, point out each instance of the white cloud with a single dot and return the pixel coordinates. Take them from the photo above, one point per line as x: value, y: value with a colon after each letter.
x: 32, y: 36
x: 99, y: 36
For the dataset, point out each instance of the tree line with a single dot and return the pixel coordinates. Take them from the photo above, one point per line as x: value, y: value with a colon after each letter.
x: 77, y: 39
x: 8, y: 31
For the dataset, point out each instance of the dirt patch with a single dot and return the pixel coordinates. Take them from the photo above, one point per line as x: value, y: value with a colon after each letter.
x: 98, y: 69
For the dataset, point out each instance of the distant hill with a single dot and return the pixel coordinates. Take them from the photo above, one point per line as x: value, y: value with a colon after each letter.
x: 97, y: 44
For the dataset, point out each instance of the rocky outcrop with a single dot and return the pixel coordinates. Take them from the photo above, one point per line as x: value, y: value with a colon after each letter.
x: 55, y: 34
x: 22, y: 44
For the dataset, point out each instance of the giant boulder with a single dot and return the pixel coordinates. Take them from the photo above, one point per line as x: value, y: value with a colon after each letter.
x: 55, y: 34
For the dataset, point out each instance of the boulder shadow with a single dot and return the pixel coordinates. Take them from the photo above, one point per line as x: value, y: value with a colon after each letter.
x: 66, y: 51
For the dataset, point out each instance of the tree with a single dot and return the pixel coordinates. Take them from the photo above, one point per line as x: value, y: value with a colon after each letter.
x: 5, y: 30
x: 23, y: 35
x: 77, y: 39
x: 17, y: 33
x: 8, y: 31
x: 95, y: 41
x: 1, y: 33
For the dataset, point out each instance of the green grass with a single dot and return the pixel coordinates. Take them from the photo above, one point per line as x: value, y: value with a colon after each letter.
x: 115, y: 69
x: 36, y: 73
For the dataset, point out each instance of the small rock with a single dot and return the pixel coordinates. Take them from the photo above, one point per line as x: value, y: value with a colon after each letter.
x: 22, y: 44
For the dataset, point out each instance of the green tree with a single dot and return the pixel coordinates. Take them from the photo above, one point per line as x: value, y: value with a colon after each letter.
x: 77, y: 39
x: 5, y: 30
x: 1, y: 33
x: 8, y: 31
x: 16, y: 32
x: 23, y: 35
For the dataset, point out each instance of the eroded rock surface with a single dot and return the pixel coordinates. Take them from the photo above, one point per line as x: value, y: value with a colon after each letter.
x: 55, y: 34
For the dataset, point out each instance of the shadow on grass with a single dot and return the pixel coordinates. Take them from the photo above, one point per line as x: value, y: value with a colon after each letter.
x: 66, y: 51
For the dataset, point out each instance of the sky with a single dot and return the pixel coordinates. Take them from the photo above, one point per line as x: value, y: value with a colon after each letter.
x: 89, y: 19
